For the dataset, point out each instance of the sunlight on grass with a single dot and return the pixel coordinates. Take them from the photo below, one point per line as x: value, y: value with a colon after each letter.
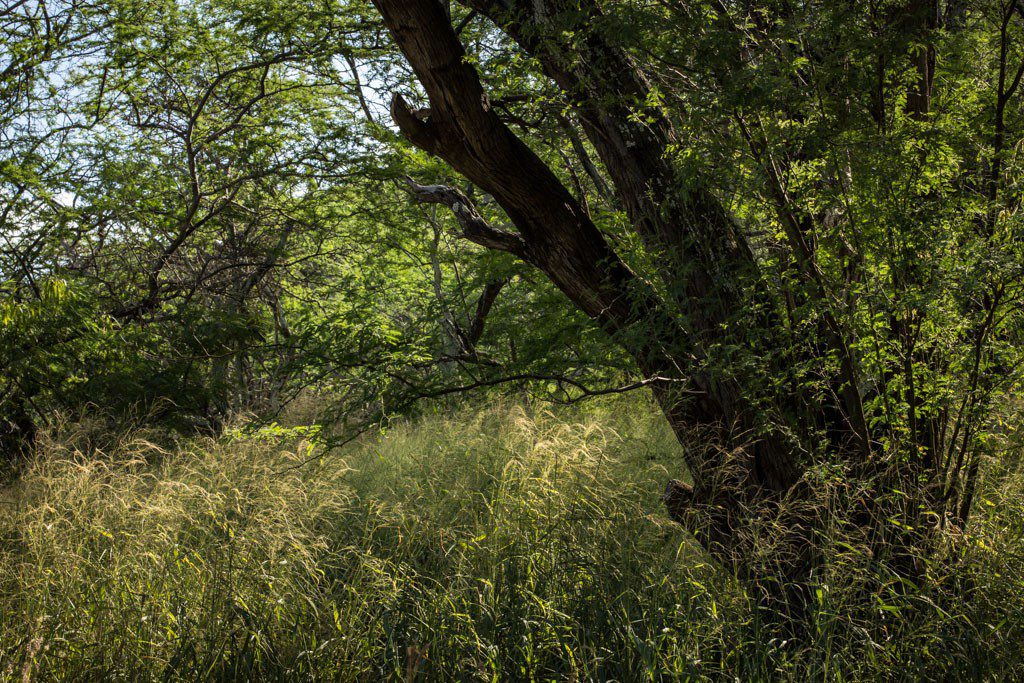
x: 500, y: 544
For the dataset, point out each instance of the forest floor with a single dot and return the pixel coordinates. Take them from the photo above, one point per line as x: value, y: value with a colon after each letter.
x: 506, y: 543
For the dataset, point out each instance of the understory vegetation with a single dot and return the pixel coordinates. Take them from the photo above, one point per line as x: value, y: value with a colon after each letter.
x: 542, y: 340
x: 501, y: 543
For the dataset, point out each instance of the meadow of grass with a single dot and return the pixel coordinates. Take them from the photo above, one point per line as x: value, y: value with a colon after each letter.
x: 503, y: 543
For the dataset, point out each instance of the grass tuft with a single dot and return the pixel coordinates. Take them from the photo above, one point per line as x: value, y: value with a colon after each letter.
x: 501, y: 544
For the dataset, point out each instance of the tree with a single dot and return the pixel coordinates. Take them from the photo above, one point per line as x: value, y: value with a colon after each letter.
x: 805, y: 299
x: 794, y: 222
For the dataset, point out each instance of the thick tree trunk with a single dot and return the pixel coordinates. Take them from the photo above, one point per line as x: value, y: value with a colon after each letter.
x: 704, y: 258
x: 749, y: 505
x: 741, y: 471
x: 681, y: 223
x: 558, y: 237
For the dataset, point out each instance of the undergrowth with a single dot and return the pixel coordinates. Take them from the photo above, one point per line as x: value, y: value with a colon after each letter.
x: 502, y: 544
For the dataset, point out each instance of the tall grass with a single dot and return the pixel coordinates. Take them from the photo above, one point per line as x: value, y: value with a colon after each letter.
x: 499, y: 544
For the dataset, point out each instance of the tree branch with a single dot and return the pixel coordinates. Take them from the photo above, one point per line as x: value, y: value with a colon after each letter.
x: 475, y: 227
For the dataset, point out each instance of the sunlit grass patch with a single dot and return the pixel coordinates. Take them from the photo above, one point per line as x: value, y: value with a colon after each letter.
x: 500, y: 544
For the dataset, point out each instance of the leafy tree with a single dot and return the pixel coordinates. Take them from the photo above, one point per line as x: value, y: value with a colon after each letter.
x: 794, y: 222
x: 824, y: 199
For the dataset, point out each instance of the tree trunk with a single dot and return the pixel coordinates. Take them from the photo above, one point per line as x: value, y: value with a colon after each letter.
x: 704, y: 258
x: 740, y: 471
x: 680, y: 222
x: 748, y: 506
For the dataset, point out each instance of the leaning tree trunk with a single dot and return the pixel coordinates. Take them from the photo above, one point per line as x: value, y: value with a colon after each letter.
x: 681, y: 222
x: 740, y: 470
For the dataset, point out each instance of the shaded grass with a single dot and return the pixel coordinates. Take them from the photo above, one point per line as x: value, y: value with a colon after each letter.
x: 498, y: 544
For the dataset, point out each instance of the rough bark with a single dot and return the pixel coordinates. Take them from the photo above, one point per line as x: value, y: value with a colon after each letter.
x: 704, y: 257
x: 736, y: 468
x: 747, y: 480
x: 679, y: 220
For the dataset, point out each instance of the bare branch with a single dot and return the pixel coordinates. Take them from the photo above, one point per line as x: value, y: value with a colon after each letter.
x: 475, y: 227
